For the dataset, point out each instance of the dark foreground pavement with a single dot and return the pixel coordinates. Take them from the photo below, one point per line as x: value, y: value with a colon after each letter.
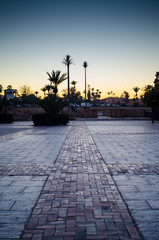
x: 87, y: 180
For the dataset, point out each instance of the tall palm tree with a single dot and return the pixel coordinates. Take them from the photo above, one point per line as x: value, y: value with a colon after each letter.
x: 55, y: 79
x: 136, y: 89
x: 85, y: 65
x: 68, y: 61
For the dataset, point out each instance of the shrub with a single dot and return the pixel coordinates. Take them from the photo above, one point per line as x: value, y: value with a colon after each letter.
x: 50, y: 119
x: 6, y: 118
x: 53, y: 104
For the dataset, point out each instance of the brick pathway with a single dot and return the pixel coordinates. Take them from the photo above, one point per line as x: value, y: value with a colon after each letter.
x: 86, y: 180
x: 80, y: 199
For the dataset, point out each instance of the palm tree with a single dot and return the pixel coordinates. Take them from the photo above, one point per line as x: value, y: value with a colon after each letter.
x: 85, y: 65
x: 55, y: 79
x: 44, y: 90
x: 74, y: 84
x: 36, y: 93
x: 48, y: 88
x: 68, y: 61
x: 136, y: 89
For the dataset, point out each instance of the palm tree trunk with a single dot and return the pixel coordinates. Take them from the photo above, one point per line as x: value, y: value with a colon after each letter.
x: 68, y: 82
x: 85, y: 83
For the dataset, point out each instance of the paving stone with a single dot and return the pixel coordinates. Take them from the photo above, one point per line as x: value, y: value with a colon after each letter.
x: 83, y: 192
x: 75, y: 180
x: 16, y: 205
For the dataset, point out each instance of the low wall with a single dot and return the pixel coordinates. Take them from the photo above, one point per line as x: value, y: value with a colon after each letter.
x: 114, y: 112
x: 85, y: 113
x: 24, y: 113
x: 125, y: 112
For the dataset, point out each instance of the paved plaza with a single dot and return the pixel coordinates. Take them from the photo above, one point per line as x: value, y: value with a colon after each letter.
x: 86, y: 180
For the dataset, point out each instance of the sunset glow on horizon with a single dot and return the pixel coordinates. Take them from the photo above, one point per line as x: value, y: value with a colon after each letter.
x: 118, y: 39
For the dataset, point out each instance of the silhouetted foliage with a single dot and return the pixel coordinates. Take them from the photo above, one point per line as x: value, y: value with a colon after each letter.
x: 55, y: 79
x: 6, y: 118
x: 151, y: 96
x: 29, y: 99
x: 25, y: 90
x: 1, y: 88
x: 1, y: 105
x: 50, y: 119
x: 125, y: 95
x: 52, y: 104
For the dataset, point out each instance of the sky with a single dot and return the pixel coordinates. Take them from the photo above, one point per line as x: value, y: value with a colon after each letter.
x: 119, y: 39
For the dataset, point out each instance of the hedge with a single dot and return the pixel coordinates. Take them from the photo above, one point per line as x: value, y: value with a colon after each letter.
x: 6, y: 118
x: 50, y: 119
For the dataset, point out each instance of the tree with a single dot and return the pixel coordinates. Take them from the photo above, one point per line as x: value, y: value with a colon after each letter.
x: 25, y: 90
x: 75, y: 96
x: 68, y: 61
x: 85, y: 65
x: 48, y: 88
x: 52, y: 104
x: 1, y: 88
x: 44, y: 90
x: 125, y: 95
x: 9, y: 87
x: 56, y: 79
x: 96, y: 95
x: 151, y: 99
x: 36, y: 93
x: 73, y: 89
x: 136, y: 89
x: 151, y: 96
x: 16, y: 93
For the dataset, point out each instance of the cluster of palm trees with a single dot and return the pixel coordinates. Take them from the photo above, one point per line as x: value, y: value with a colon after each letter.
x: 55, y: 78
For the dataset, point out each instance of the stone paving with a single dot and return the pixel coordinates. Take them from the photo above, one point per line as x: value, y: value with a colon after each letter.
x: 87, y: 180
x: 130, y: 150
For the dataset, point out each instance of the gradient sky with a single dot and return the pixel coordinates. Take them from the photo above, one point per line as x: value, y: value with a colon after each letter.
x: 119, y: 39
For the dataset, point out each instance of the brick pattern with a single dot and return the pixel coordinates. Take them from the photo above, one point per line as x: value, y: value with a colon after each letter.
x: 26, y: 169
x: 46, y: 169
x: 136, y: 169
x: 80, y: 199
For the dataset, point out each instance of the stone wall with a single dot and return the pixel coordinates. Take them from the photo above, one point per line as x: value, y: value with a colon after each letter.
x: 113, y: 112
x: 24, y: 113
x: 125, y: 112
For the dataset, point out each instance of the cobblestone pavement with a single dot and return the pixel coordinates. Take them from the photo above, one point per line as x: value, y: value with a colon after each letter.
x: 87, y: 180
x: 130, y: 150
